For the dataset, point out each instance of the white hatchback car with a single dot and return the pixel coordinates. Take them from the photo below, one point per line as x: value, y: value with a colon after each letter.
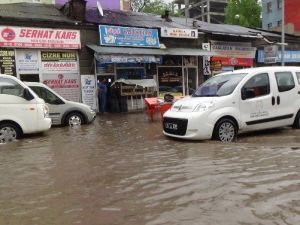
x: 62, y: 111
x: 239, y: 101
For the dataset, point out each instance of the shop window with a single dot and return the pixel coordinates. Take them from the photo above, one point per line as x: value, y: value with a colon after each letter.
x: 257, y: 86
x: 108, y: 68
x: 30, y: 77
x: 170, y: 80
x: 285, y: 81
x: 190, y: 61
x: 172, y: 61
x: 133, y: 71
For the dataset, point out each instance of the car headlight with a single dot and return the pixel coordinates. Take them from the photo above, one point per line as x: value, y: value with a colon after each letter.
x: 203, y: 107
x: 46, y: 111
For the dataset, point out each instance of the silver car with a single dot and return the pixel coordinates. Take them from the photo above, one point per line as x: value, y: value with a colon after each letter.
x: 62, y: 111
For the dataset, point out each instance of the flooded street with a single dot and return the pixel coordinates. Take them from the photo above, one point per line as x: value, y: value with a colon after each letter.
x: 121, y: 170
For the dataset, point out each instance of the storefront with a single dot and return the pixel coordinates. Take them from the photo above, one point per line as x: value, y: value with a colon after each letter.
x: 136, y: 54
x: 231, y: 56
x: 42, y: 55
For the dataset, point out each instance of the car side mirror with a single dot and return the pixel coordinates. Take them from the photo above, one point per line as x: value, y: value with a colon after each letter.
x: 247, y: 93
x: 27, y: 95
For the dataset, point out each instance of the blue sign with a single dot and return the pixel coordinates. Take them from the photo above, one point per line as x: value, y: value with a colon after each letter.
x: 289, y: 56
x: 128, y: 36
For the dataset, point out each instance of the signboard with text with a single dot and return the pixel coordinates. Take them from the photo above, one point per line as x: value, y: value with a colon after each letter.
x: 128, y: 36
x: 179, y: 33
x: 27, y: 60
x: 66, y: 85
x: 270, y: 53
x: 233, y: 49
x: 7, y: 62
x: 88, y: 90
x: 226, y: 61
x: 31, y: 37
x: 59, y: 61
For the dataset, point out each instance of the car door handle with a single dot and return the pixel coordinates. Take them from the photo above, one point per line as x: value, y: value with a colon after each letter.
x: 299, y: 92
x: 273, y: 100
x: 278, y: 100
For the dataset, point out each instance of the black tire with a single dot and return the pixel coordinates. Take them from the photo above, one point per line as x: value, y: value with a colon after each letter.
x: 296, y: 124
x: 225, y: 130
x: 74, y: 119
x: 9, y: 132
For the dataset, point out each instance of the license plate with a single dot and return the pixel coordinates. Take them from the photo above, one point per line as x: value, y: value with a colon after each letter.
x: 171, y: 126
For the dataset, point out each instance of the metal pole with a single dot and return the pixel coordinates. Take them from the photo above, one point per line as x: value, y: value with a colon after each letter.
x: 282, y: 33
x: 186, y: 10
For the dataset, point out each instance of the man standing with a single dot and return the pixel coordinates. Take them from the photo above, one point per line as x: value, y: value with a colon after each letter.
x: 102, y: 95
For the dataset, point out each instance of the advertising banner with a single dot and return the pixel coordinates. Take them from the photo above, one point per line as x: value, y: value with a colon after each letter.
x: 179, y: 33
x: 233, y: 49
x: 67, y: 85
x: 89, y: 90
x: 289, y: 56
x: 27, y: 60
x: 59, y: 61
x: 31, y: 37
x: 7, y: 62
x: 128, y: 36
x: 226, y: 61
x: 270, y: 53
x: 206, y: 66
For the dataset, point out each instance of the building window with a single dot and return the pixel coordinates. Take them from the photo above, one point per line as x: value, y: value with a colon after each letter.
x: 269, y: 25
x: 279, y: 4
x: 269, y: 7
x: 279, y: 23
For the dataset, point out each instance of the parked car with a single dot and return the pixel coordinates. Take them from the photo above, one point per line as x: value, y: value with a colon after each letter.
x: 62, y: 111
x: 21, y: 110
x: 239, y: 101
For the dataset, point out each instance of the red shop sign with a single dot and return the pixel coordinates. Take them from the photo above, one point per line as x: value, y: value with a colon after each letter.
x: 32, y: 37
x: 226, y: 61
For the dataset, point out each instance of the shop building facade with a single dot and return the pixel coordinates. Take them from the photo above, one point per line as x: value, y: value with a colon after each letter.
x: 176, y: 53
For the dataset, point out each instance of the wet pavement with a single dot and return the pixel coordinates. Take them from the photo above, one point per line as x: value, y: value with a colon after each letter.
x: 121, y: 170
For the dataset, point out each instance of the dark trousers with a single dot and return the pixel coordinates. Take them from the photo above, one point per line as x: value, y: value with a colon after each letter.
x: 102, y: 103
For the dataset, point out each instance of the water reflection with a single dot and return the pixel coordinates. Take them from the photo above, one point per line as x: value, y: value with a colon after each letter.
x: 122, y: 170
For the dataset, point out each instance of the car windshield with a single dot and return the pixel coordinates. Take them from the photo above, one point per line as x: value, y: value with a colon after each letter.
x: 219, y: 85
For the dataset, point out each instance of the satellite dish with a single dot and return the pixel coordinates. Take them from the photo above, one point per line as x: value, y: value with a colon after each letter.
x: 99, y: 8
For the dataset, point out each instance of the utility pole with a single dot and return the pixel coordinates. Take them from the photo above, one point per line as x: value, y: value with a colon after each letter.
x: 282, y: 33
x: 186, y: 10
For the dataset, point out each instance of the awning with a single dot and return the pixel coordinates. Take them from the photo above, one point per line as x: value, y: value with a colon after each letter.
x: 150, y: 51
x: 143, y: 83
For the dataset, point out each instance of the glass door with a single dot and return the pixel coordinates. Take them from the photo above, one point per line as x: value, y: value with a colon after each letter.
x: 190, y: 71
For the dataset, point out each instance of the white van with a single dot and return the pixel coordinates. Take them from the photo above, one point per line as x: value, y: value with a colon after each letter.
x: 21, y: 110
x: 239, y: 101
x: 62, y: 111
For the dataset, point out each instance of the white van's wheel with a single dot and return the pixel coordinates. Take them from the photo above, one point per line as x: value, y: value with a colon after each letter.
x: 74, y: 119
x: 297, y: 121
x: 9, y: 132
x: 226, y: 130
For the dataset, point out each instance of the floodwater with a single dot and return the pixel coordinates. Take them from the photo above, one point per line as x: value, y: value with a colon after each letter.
x: 121, y: 170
